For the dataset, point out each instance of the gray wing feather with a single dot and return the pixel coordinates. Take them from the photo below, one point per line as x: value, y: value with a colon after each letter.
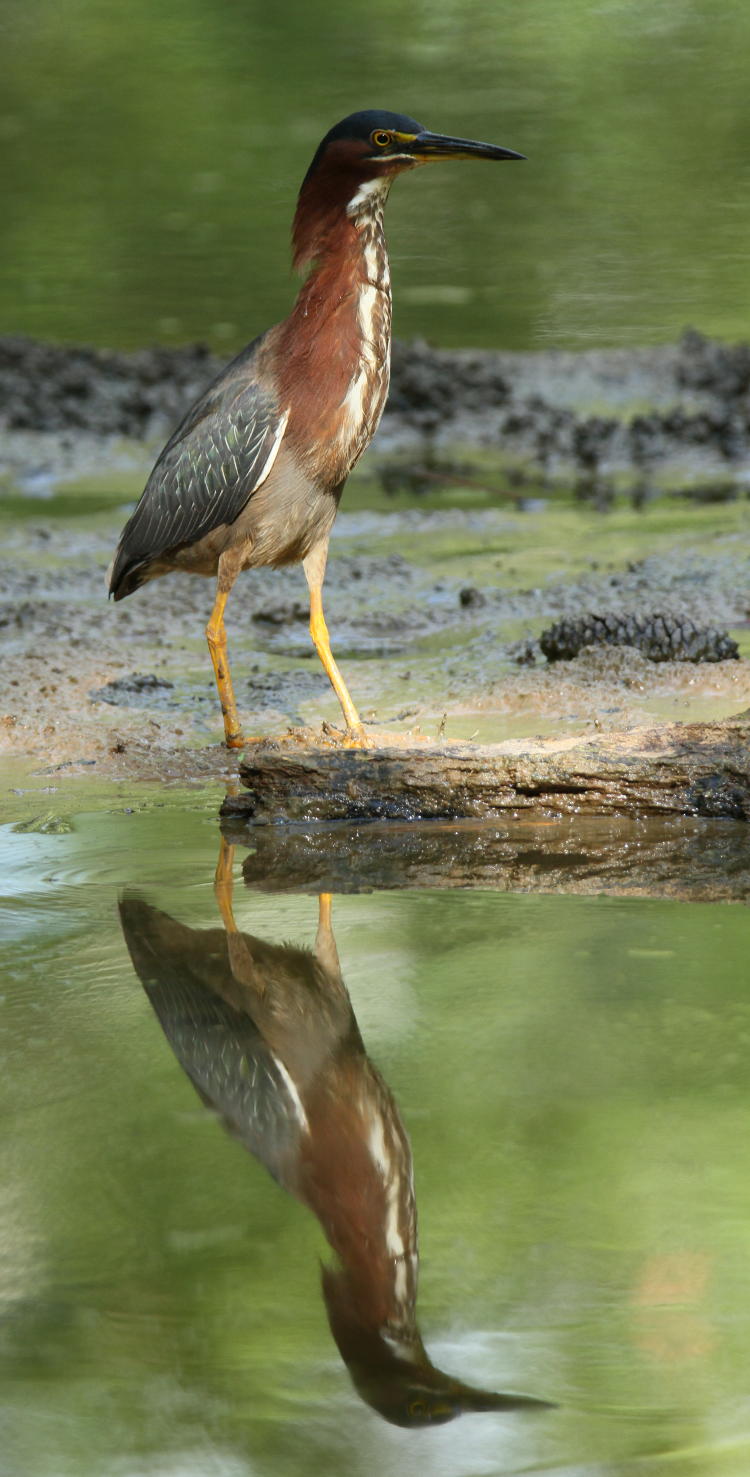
x: 209, y: 469
x: 233, y: 1069
x: 221, y: 1049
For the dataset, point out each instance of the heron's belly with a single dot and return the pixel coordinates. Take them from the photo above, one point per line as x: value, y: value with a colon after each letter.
x: 280, y: 524
x: 286, y: 518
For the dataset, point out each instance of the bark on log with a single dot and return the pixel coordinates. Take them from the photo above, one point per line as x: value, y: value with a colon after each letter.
x: 692, y: 769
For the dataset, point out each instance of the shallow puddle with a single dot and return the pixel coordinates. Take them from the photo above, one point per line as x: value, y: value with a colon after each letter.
x: 571, y: 1072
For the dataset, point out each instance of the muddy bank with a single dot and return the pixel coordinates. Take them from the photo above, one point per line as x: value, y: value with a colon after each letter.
x: 683, y: 408
x: 436, y: 611
x: 126, y: 691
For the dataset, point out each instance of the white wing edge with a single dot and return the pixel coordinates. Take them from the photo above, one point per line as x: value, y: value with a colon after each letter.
x: 273, y: 453
x: 299, y: 1111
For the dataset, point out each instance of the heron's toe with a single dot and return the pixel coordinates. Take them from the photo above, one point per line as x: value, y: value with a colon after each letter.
x: 356, y: 738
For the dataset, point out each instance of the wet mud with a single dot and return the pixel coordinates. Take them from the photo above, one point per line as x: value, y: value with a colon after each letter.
x: 127, y: 690
x: 435, y: 609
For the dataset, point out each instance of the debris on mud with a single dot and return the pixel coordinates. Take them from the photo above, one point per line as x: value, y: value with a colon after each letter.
x: 660, y: 638
x: 430, y: 471
x: 470, y: 597
x: 282, y: 689
x: 709, y: 492
x: 282, y: 615
x: 704, y: 364
x: 130, y: 691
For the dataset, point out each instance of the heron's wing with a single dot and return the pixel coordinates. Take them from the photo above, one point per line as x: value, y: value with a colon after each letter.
x: 217, y: 458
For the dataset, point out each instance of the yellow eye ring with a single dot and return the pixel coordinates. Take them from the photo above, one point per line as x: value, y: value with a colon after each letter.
x: 381, y: 139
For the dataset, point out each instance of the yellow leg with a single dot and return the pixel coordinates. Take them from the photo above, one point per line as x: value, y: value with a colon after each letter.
x: 319, y: 632
x: 216, y: 637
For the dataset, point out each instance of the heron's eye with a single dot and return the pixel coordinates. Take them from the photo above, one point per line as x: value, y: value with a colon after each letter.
x: 382, y: 139
x: 417, y: 1408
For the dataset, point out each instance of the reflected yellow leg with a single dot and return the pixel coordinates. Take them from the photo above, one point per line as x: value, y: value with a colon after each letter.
x: 223, y: 885
x: 325, y: 942
x: 319, y: 632
x: 216, y: 637
x: 240, y: 959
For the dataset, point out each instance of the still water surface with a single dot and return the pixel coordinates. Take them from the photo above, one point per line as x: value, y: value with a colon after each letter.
x: 148, y: 170
x: 572, y: 1076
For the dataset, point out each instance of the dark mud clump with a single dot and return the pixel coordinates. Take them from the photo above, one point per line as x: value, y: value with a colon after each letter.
x: 722, y: 369
x: 471, y: 598
x: 538, y: 405
x: 52, y: 387
x: 661, y: 638
x: 430, y: 385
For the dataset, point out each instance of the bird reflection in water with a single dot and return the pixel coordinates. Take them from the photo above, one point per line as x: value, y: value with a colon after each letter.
x: 268, y: 1037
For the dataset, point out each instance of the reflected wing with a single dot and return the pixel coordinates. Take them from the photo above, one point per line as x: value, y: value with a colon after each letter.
x: 185, y: 973
x: 209, y: 469
x: 232, y: 1068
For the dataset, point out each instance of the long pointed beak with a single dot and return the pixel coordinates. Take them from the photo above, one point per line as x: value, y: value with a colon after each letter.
x: 428, y: 146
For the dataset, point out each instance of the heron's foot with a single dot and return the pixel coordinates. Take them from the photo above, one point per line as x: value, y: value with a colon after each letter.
x: 356, y: 738
x: 353, y: 736
x: 235, y: 740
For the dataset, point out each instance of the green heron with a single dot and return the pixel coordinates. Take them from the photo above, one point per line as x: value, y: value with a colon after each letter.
x: 254, y: 473
x: 268, y: 1037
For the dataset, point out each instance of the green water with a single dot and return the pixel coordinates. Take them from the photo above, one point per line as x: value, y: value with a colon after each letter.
x: 572, y: 1073
x: 148, y: 167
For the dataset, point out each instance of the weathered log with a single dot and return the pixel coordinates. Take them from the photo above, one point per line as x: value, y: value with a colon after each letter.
x: 691, y: 769
x: 691, y: 860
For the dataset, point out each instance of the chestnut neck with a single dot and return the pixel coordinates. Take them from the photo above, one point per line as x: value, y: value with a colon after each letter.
x: 372, y: 1326
x: 340, y: 324
x: 338, y: 220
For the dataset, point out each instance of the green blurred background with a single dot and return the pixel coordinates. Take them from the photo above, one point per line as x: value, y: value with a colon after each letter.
x: 150, y: 157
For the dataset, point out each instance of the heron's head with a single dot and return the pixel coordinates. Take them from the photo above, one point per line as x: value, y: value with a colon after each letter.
x: 374, y: 144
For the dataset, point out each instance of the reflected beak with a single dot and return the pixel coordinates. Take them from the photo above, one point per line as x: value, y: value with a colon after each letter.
x: 424, y: 147
x: 473, y: 1399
